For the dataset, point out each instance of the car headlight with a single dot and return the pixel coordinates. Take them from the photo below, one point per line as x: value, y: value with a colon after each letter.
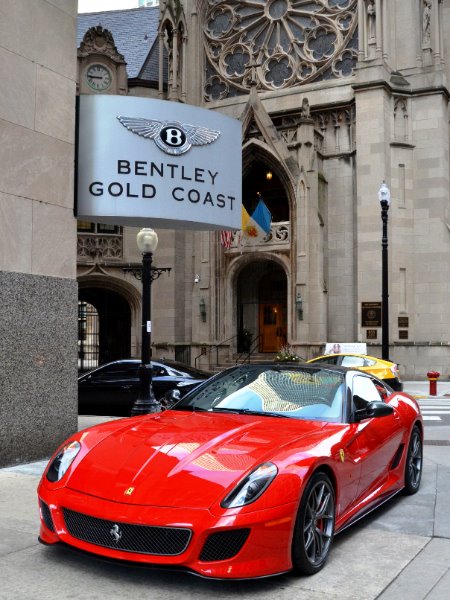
x: 251, y: 487
x: 62, y: 461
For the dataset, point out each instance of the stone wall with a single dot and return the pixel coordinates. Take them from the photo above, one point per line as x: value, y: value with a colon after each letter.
x: 38, y: 338
x: 38, y: 291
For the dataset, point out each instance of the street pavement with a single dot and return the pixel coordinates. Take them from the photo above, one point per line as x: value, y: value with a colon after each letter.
x: 400, y: 551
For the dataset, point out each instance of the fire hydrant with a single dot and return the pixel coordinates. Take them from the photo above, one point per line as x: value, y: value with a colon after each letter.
x: 433, y: 376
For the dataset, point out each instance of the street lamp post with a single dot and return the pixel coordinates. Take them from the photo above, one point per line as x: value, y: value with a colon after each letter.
x: 384, y: 196
x: 147, y: 241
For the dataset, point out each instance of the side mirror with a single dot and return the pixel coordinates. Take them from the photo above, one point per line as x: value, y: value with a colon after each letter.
x: 374, y: 409
x: 379, y: 409
x: 170, y: 398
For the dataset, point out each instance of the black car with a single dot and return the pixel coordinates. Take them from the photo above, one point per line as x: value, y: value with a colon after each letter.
x: 113, y: 388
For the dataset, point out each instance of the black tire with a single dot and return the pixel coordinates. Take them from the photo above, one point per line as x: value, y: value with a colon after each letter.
x: 314, y: 526
x: 414, y: 461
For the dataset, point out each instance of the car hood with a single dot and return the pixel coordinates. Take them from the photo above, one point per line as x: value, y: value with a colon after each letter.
x: 180, y: 459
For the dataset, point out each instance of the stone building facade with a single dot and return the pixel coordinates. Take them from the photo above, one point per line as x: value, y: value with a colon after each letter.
x: 334, y: 96
x: 38, y: 289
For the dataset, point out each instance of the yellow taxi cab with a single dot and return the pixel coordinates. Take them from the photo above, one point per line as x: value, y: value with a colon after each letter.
x: 383, y: 369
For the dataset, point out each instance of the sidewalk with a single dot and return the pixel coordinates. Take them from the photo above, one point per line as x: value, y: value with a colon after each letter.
x: 422, y: 389
x: 400, y: 551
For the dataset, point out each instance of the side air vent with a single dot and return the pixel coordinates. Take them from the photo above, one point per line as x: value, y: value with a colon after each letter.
x: 398, y: 456
x: 224, y: 544
x: 46, y: 515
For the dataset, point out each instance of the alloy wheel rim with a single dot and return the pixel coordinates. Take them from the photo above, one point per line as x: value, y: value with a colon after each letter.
x: 319, y: 523
x: 415, y: 459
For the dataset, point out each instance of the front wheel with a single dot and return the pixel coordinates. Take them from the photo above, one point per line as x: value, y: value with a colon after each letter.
x: 414, y: 458
x: 314, y: 526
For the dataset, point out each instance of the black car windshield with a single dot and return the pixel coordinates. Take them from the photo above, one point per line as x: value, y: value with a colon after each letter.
x: 185, y: 371
x: 295, y: 392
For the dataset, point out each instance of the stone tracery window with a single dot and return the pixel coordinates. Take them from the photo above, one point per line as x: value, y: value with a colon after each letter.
x: 277, y: 43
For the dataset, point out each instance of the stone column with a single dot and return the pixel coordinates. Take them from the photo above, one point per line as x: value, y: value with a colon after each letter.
x: 161, y: 64
x: 378, y: 28
x: 361, y: 31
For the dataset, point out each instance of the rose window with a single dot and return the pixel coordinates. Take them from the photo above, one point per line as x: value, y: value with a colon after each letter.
x: 277, y: 44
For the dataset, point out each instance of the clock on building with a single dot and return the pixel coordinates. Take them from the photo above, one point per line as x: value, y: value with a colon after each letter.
x: 98, y: 77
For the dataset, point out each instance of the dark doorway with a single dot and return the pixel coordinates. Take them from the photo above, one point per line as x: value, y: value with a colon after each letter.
x: 262, y: 306
x: 113, y: 328
x: 261, y: 182
x: 88, y: 336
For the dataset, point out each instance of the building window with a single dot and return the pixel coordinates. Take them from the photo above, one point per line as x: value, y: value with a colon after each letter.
x: 99, y: 228
x: 98, y: 241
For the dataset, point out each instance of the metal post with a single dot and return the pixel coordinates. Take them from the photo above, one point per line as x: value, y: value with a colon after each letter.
x: 146, y: 401
x: 384, y: 283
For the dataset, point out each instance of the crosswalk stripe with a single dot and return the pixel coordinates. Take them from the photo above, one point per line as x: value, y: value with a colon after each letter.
x: 430, y: 418
x: 431, y: 402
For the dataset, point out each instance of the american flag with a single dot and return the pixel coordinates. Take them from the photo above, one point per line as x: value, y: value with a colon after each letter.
x: 226, y: 237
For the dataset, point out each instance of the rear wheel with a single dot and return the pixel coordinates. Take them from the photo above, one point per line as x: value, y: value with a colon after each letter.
x: 314, y: 527
x: 414, y: 458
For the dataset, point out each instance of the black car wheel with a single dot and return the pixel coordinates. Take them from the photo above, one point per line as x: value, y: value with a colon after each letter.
x: 314, y: 527
x: 413, y: 467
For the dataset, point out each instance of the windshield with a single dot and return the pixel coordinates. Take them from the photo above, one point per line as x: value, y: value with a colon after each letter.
x: 186, y: 371
x: 296, y: 392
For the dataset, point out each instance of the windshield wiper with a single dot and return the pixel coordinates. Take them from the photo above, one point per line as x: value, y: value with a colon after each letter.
x: 246, y: 411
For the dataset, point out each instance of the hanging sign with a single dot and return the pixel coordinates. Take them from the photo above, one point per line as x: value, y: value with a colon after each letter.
x: 145, y: 162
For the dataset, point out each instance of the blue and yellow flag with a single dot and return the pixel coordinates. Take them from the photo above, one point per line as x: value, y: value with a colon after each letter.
x: 257, y: 226
x: 261, y: 215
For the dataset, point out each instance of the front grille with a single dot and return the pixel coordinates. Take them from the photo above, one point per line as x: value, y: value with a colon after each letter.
x: 143, y: 539
x: 46, y: 516
x: 224, y: 544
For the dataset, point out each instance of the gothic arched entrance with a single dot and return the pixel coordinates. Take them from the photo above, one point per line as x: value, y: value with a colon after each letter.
x: 262, y: 305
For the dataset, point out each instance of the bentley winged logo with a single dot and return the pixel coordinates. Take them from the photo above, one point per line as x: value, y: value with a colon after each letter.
x: 116, y: 532
x: 171, y: 137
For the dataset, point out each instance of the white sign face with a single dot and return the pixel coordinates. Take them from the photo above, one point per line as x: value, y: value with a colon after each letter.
x: 346, y: 348
x: 154, y: 163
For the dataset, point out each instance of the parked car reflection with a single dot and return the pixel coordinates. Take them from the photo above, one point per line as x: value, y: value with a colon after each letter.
x: 113, y: 388
x: 383, y: 369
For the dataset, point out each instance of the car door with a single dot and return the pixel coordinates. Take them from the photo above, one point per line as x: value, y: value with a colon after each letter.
x: 163, y: 380
x: 377, y: 439
x: 110, y: 390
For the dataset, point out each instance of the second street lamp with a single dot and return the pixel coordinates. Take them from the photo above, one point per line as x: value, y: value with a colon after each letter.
x: 147, y: 241
x: 384, y: 196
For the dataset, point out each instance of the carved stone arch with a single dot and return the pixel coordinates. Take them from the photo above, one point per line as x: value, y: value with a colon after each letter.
x: 238, y: 263
x: 401, y: 118
x: 277, y: 192
x: 129, y: 292
x: 257, y: 126
x: 116, y: 303
x: 245, y: 315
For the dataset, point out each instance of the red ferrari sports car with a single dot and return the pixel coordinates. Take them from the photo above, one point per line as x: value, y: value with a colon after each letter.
x: 251, y: 474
